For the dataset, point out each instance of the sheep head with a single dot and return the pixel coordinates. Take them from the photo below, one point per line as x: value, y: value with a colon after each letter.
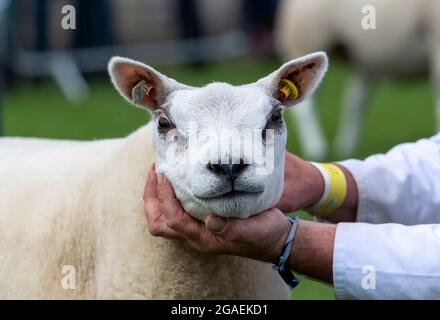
x: 221, y: 146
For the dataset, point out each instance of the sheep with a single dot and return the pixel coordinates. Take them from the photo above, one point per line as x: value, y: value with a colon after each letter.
x: 71, y: 213
x: 405, y: 42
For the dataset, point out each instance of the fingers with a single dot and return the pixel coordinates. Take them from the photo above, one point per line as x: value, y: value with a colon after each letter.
x: 151, y: 203
x: 243, y: 230
x: 168, y: 201
x: 175, y: 216
x: 160, y: 229
x: 167, y: 218
x: 150, y: 190
x: 215, y: 223
x: 227, y: 229
x: 155, y: 220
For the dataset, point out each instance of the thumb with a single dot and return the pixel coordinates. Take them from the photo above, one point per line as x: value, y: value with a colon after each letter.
x: 214, y: 223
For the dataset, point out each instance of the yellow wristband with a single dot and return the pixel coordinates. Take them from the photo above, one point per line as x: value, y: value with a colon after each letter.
x: 335, y: 189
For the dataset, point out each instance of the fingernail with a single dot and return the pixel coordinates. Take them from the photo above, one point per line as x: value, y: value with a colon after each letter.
x: 153, y: 166
x: 215, y: 223
x: 161, y: 177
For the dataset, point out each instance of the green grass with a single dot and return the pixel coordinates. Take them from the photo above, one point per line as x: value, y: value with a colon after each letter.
x: 399, y: 111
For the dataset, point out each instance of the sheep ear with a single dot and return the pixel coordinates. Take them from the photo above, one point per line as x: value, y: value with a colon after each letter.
x: 304, y: 74
x: 141, y: 84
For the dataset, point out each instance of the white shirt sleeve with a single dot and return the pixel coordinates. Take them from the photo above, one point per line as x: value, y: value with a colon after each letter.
x: 401, y: 186
x: 386, y: 261
x: 392, y: 260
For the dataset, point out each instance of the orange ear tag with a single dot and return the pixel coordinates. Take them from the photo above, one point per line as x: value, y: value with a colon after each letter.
x: 288, y: 90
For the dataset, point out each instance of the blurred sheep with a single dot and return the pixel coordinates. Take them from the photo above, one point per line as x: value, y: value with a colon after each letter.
x: 406, y: 42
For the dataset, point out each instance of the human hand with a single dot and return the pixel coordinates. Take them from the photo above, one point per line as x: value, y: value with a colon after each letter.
x: 259, y: 237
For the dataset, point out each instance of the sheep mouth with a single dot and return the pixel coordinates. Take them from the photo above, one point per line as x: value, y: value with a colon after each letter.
x: 230, y: 191
x: 230, y: 195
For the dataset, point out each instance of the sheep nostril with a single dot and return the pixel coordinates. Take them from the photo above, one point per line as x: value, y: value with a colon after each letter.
x: 238, y: 168
x: 229, y: 170
x: 216, y: 168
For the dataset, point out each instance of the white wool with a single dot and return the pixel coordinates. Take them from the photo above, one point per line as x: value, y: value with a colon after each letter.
x: 80, y: 204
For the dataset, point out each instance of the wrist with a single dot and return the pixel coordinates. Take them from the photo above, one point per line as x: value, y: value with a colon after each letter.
x: 346, y: 207
x: 312, y: 251
x: 317, y: 185
x: 283, y: 262
x: 348, y: 211
x: 335, y: 189
x: 277, y: 247
x: 301, y: 178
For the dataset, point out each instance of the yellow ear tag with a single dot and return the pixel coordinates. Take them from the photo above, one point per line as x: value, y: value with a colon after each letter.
x: 288, y: 90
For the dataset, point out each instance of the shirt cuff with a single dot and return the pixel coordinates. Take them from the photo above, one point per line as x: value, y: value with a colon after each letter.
x: 357, y: 170
x: 340, y: 256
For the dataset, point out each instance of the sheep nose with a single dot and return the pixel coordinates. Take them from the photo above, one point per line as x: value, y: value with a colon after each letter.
x: 229, y: 170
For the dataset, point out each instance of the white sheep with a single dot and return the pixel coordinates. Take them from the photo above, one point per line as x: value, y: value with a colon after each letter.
x: 405, y: 42
x: 71, y: 213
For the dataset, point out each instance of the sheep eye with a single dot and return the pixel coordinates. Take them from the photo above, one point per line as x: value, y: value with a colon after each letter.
x: 277, y: 116
x: 164, y: 123
x: 275, y: 121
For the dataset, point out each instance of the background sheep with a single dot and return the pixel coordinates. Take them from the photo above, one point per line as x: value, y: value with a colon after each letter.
x: 79, y: 204
x: 405, y: 42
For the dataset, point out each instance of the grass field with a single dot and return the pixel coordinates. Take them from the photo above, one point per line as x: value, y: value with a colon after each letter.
x: 399, y: 111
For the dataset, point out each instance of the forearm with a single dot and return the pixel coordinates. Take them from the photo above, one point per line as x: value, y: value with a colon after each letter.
x: 364, y: 256
x: 302, y: 178
x: 312, y: 250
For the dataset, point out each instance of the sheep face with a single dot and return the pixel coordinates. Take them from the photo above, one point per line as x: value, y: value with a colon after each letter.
x: 221, y: 146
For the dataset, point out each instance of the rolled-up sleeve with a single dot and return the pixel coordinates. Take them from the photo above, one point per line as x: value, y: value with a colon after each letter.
x: 393, y: 252
x: 386, y: 261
